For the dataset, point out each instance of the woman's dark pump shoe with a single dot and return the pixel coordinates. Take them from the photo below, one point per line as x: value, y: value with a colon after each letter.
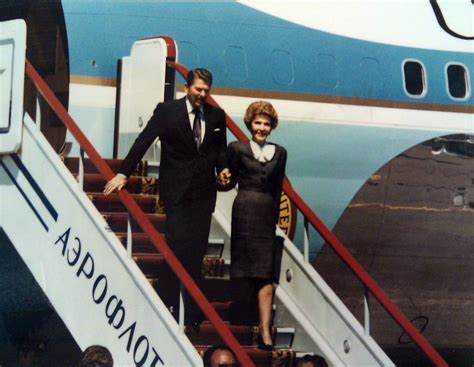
x: 264, y: 346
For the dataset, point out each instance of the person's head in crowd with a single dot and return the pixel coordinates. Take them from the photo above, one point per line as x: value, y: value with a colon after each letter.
x: 219, y: 356
x: 29, y: 351
x: 309, y: 360
x: 96, y: 356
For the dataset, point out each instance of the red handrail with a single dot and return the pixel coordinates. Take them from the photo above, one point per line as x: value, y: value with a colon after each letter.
x: 133, y: 208
x: 369, y: 282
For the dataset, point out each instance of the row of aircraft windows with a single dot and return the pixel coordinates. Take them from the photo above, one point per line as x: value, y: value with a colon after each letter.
x: 415, y: 80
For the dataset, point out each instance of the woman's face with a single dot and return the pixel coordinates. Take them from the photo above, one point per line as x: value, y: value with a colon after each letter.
x: 260, y: 128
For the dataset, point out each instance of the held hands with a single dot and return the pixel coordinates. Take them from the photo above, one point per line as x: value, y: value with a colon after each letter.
x: 223, y: 178
x: 117, y: 183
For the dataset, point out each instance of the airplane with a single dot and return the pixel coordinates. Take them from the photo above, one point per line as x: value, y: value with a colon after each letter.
x: 367, y: 92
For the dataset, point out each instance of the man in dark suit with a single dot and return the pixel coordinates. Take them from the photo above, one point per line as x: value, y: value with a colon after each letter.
x: 193, y: 138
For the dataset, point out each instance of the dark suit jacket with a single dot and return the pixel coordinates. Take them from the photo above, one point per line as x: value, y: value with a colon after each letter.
x: 183, y: 169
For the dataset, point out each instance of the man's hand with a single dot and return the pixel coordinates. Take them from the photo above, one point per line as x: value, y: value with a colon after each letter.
x: 223, y: 178
x: 117, y: 183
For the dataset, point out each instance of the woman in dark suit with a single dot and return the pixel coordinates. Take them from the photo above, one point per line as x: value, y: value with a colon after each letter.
x: 258, y: 167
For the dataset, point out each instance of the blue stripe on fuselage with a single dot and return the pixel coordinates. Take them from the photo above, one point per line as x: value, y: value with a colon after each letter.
x: 248, y: 49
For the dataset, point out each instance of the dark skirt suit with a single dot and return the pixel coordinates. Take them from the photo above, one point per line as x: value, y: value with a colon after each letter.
x: 255, y: 210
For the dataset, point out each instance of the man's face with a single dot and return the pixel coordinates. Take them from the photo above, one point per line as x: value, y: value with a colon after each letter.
x: 198, y: 92
x: 221, y: 358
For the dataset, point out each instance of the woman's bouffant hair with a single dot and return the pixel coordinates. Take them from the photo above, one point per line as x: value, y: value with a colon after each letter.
x: 261, y: 108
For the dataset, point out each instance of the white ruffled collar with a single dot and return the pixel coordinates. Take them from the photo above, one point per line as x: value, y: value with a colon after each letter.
x: 263, y: 153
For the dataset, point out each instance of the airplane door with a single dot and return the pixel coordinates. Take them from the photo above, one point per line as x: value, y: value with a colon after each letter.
x: 12, y: 71
x: 143, y: 83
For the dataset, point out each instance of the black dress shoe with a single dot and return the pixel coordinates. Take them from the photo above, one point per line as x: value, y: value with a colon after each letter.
x: 266, y: 347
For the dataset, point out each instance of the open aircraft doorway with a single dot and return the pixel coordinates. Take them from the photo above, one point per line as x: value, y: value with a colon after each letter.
x: 411, y: 226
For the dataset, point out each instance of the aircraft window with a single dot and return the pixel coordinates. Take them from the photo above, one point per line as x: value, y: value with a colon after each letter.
x: 414, y: 78
x: 373, y: 81
x: 458, y: 81
x: 236, y: 63
x: 283, y: 71
x: 326, y: 72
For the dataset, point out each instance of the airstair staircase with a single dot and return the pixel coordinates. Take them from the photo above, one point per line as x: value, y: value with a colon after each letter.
x: 96, y: 259
x: 217, y: 287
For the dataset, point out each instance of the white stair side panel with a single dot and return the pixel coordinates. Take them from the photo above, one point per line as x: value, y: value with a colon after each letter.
x: 12, y: 70
x: 99, y: 292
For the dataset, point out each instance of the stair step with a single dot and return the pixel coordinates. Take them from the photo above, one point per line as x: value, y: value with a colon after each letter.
x: 246, y: 335
x: 223, y: 309
x: 112, y: 203
x: 214, y: 267
x: 94, y: 182
x: 261, y: 358
x: 118, y: 222
x: 215, y: 289
x: 151, y: 263
x: 215, y: 247
x: 72, y: 163
x: 141, y: 244
x: 284, y: 337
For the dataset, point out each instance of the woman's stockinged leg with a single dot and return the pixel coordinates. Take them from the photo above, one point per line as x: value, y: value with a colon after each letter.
x: 265, y: 300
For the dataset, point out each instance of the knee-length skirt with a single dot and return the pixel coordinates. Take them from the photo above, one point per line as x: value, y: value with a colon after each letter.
x: 253, y: 235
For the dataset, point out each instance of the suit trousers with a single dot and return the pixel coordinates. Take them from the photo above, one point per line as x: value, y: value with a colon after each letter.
x: 187, y: 234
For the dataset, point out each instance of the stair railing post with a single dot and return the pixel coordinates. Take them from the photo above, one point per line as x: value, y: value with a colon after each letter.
x: 366, y: 312
x: 38, y: 112
x: 81, y: 169
x: 181, y: 308
x: 129, y: 235
x: 306, y: 241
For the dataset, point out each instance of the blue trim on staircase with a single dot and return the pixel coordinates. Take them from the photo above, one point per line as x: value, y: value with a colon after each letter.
x: 24, y: 195
x: 35, y: 186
